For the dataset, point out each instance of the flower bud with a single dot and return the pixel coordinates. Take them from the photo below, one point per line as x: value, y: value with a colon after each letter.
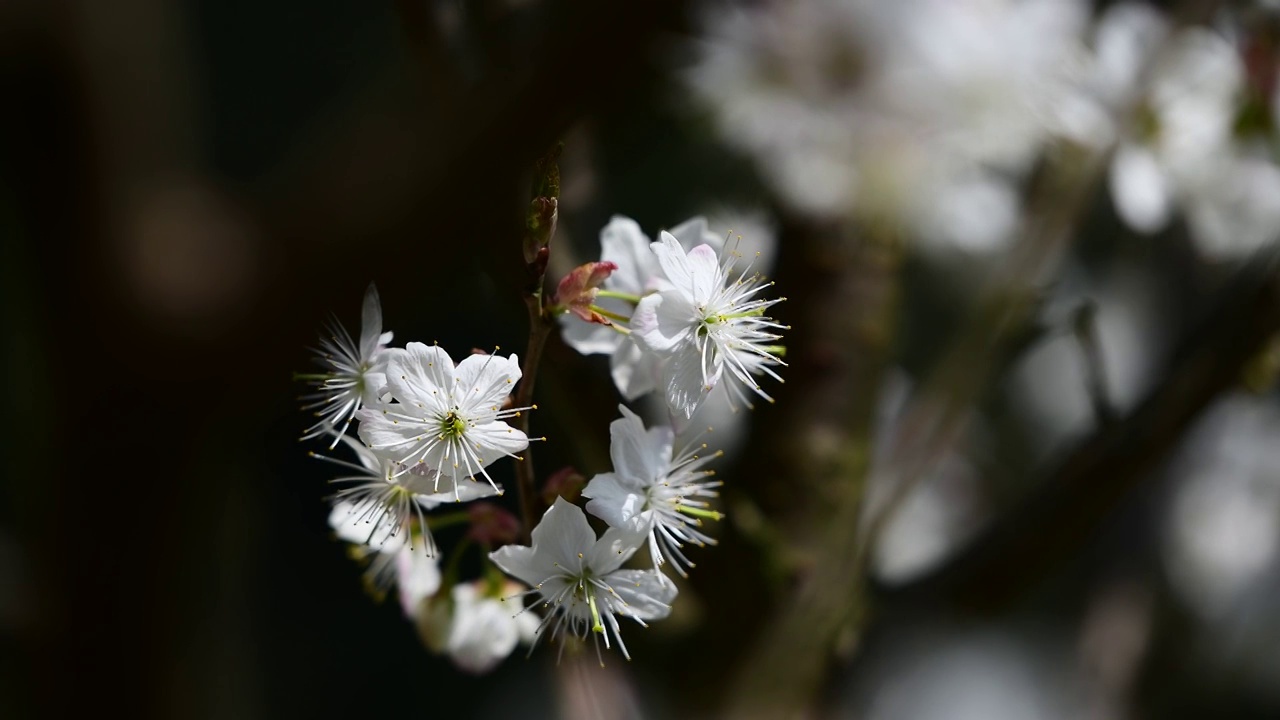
x: 566, y: 483
x: 491, y: 525
x: 577, y: 291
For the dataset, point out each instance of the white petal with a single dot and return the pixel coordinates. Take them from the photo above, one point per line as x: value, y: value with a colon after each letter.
x: 483, y: 631
x: 1127, y: 34
x: 483, y: 381
x: 388, y: 437
x: 493, y: 440
x: 616, y: 546
x: 589, y: 338
x: 629, y: 448
x: 365, y: 524
x: 420, y: 374
x: 562, y: 534
x: 522, y: 563
x: 663, y: 320
x: 370, y: 323
x: 623, y: 243
x: 694, y: 232
x: 683, y: 384
x: 674, y: 263
x: 467, y: 489
x: 647, y: 593
x: 1238, y: 210
x: 704, y: 271
x: 1139, y: 189
x: 634, y: 369
x: 612, y: 500
x: 417, y: 575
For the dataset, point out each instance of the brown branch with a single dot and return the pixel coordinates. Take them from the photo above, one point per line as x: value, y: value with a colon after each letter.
x: 1037, y: 536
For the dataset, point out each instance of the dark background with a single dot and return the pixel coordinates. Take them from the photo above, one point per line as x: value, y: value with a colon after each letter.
x: 188, y: 189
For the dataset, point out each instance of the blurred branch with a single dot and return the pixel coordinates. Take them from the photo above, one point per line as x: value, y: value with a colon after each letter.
x: 1033, y: 538
x: 830, y: 419
x: 783, y: 674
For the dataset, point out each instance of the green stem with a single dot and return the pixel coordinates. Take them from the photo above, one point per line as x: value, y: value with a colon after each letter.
x: 451, y: 570
x: 633, y: 299
x: 440, y: 522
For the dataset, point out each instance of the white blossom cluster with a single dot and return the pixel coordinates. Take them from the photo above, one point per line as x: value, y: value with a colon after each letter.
x: 680, y: 316
x: 428, y: 429
x: 1191, y: 112
x: 929, y: 115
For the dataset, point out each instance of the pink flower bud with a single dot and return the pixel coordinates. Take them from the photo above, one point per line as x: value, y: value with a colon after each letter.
x: 491, y: 525
x: 566, y: 482
x: 577, y: 291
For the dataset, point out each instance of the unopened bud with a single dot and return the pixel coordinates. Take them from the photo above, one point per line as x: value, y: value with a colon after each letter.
x: 491, y: 525
x: 565, y: 483
x: 540, y: 228
x: 577, y: 291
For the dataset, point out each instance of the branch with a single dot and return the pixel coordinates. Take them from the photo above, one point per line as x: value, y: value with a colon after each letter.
x: 1032, y: 539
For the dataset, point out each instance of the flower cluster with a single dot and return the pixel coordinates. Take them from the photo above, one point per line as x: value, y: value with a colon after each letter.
x: 924, y: 114
x: 1193, y: 123
x: 930, y: 115
x: 427, y: 430
x: 679, y: 316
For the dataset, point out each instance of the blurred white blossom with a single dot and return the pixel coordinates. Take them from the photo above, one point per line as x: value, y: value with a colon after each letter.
x: 1224, y: 528
x: 924, y: 113
x: 1184, y: 147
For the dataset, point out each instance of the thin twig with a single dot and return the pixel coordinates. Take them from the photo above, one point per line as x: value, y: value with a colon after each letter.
x: 539, y: 329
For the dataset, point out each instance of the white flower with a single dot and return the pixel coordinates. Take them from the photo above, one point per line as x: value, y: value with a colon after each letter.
x: 383, y: 503
x: 624, y: 244
x: 446, y: 418
x: 706, y: 321
x: 487, y: 624
x: 352, y: 375
x: 417, y: 576
x: 653, y: 491
x: 1185, y: 151
x: 376, y: 539
x: 923, y: 113
x: 579, y: 580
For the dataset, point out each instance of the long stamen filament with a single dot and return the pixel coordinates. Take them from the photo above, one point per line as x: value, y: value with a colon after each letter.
x: 699, y: 512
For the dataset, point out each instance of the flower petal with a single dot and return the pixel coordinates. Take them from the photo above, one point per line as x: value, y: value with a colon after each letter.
x: 634, y: 369
x: 633, y: 454
x: 1139, y: 189
x: 589, y: 338
x: 663, y: 320
x: 613, y: 500
x: 420, y: 375
x: 683, y: 384
x: 623, y: 243
x: 418, y: 577
x: 694, y: 232
x: 616, y: 546
x: 647, y: 593
x: 494, y: 440
x: 370, y: 323
x: 522, y: 563
x: 562, y: 534
x: 387, y: 436
x: 483, y: 381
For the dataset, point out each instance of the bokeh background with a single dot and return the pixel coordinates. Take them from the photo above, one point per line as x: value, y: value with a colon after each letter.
x: 1028, y: 471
